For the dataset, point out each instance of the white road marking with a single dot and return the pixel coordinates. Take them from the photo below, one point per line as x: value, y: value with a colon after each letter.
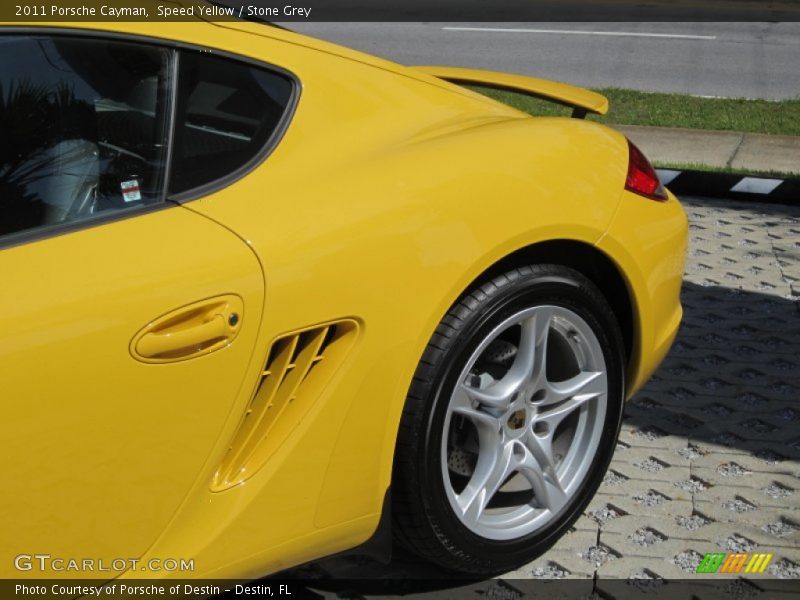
x: 674, y: 36
x: 756, y: 185
x: 667, y: 175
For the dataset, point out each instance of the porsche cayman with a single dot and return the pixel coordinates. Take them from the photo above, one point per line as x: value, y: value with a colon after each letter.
x: 265, y: 297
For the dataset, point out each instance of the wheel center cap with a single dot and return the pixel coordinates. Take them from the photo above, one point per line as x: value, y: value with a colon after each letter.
x: 516, y: 420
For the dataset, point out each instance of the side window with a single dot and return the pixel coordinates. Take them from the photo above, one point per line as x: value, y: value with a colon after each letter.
x: 83, y: 128
x: 227, y: 111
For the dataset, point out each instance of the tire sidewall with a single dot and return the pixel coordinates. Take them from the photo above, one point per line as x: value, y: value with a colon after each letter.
x: 503, y: 302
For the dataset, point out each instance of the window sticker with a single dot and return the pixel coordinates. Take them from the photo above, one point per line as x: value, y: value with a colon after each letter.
x: 130, y: 190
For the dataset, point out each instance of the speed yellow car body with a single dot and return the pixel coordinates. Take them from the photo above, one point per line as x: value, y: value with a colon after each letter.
x: 390, y: 193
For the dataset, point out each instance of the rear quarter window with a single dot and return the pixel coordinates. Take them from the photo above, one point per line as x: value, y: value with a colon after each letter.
x: 227, y: 113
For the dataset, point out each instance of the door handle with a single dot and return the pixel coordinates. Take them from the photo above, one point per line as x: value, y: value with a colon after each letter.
x: 190, y: 331
x: 155, y: 344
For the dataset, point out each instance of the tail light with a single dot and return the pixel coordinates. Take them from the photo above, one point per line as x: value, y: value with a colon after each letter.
x: 642, y: 178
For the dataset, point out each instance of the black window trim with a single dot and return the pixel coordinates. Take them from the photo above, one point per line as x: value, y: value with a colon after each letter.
x: 167, y: 200
x: 171, y: 123
x: 264, y: 152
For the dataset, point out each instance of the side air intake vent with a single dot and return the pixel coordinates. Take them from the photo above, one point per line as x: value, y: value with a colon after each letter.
x: 298, y: 368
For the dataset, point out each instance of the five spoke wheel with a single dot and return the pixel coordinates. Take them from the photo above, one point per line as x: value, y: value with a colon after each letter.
x: 510, y: 421
x: 521, y: 420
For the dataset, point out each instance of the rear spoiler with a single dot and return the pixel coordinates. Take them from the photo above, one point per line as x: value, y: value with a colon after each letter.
x: 581, y: 100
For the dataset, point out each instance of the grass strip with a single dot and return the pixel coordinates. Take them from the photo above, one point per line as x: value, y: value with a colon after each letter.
x: 726, y: 170
x: 631, y: 107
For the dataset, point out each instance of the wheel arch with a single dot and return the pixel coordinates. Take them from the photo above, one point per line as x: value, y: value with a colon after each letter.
x: 412, y: 453
x: 591, y: 262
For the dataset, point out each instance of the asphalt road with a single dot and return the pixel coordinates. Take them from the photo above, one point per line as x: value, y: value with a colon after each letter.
x: 750, y: 60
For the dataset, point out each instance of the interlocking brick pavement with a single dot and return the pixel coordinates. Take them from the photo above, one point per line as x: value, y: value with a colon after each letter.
x: 709, y: 453
x: 710, y: 448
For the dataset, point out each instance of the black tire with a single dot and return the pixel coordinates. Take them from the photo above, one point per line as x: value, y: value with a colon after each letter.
x: 424, y: 521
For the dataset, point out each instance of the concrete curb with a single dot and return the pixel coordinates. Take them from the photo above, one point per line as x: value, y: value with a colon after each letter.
x: 728, y: 185
x: 701, y: 149
x: 744, y: 152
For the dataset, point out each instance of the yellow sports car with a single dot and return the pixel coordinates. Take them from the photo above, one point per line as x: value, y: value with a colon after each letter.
x: 262, y: 293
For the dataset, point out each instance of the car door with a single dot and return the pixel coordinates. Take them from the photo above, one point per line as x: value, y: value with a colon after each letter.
x: 127, y: 322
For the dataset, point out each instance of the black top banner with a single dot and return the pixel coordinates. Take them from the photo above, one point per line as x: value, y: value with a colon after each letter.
x: 403, y: 10
x: 532, y: 10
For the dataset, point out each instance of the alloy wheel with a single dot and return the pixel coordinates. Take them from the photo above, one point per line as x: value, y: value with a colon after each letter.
x: 524, y: 422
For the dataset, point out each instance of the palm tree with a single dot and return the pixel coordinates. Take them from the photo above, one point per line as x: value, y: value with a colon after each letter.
x: 33, y: 119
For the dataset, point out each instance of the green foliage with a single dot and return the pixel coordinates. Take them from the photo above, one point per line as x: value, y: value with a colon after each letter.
x: 33, y: 118
x: 630, y: 107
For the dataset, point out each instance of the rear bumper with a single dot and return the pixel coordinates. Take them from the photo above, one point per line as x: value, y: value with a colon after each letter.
x: 648, y: 241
